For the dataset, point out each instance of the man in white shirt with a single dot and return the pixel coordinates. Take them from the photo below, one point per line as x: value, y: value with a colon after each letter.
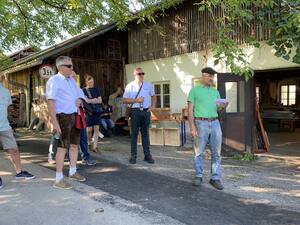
x: 64, y: 98
x: 7, y: 138
x: 140, y: 96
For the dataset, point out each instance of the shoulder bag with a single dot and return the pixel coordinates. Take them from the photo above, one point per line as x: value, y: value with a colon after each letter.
x: 128, y: 109
x: 96, y: 108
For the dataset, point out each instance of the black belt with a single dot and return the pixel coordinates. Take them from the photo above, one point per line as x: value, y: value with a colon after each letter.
x: 206, y: 119
x: 65, y: 114
x: 144, y: 109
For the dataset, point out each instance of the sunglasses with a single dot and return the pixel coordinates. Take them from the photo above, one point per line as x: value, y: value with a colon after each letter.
x: 140, y: 74
x: 69, y: 66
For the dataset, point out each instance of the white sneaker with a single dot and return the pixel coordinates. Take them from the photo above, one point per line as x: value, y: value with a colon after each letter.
x: 101, y: 135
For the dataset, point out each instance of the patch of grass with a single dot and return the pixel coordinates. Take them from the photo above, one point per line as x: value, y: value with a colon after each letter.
x: 247, y: 157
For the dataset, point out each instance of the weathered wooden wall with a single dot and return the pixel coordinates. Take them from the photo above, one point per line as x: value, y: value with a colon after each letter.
x: 103, y: 57
x: 185, y: 29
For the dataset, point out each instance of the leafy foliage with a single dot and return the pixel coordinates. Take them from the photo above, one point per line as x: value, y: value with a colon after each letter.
x: 4, y: 61
x: 281, y: 17
x: 286, y: 30
x: 42, y: 22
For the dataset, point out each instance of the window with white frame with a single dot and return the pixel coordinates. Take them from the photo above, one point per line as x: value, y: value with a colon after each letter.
x: 288, y: 94
x: 162, y: 92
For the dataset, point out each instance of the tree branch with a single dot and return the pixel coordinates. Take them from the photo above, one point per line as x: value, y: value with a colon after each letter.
x: 55, y: 6
x: 20, y: 10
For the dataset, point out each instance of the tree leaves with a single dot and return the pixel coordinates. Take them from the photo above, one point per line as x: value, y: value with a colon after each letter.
x: 42, y: 22
x: 283, y: 21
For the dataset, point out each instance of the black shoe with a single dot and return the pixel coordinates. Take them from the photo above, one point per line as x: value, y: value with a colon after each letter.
x: 132, y: 160
x: 1, y: 183
x: 89, y: 162
x: 216, y: 184
x: 149, y: 159
x: 197, y: 181
x: 24, y: 175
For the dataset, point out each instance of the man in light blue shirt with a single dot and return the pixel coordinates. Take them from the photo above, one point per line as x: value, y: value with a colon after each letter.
x: 140, y: 96
x: 7, y: 138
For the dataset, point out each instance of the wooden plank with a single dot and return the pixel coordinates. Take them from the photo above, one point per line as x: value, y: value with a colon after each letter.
x: 156, y: 136
x: 172, y: 136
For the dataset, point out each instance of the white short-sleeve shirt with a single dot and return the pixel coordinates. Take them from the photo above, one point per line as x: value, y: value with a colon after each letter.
x: 146, y: 92
x: 5, y: 101
x: 65, y: 92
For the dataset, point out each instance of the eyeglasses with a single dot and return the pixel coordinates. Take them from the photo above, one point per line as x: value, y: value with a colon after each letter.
x: 140, y: 74
x: 69, y: 66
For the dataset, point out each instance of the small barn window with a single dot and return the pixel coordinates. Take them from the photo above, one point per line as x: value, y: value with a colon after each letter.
x: 162, y: 92
x: 231, y: 96
x: 235, y: 94
x: 288, y: 94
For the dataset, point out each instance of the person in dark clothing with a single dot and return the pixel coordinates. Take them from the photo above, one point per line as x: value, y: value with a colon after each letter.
x: 93, y: 120
x: 106, y: 121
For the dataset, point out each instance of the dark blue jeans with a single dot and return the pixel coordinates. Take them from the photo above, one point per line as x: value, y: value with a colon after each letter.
x: 84, y: 148
x: 140, y: 120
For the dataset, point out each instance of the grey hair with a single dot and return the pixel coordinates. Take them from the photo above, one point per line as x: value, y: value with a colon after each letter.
x: 62, y: 59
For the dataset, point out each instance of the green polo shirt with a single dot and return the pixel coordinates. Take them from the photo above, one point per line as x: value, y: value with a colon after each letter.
x: 203, y: 99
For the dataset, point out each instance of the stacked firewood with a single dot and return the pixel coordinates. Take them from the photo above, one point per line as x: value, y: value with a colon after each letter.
x: 17, y: 111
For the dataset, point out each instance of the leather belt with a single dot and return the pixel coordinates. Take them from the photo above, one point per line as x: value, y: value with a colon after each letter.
x: 206, y: 119
x: 144, y: 109
x: 65, y: 114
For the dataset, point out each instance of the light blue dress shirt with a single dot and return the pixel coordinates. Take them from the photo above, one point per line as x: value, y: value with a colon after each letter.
x: 146, y: 92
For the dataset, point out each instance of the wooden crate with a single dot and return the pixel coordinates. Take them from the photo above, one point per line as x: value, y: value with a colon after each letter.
x: 139, y: 138
x: 156, y: 136
x: 172, y: 136
x: 160, y: 114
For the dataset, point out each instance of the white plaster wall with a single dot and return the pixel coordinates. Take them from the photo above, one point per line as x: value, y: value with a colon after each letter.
x: 181, y: 69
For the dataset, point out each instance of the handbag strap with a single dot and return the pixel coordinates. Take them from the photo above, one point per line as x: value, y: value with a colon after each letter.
x: 137, y: 94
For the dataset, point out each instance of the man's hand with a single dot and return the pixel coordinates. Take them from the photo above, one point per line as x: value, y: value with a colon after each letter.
x: 222, y: 106
x: 56, y: 128
x: 149, y: 109
x: 78, y: 102
x: 194, y: 131
x: 73, y: 74
x: 140, y: 100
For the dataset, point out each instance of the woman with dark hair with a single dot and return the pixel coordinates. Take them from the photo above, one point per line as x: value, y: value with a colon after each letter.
x: 92, y: 120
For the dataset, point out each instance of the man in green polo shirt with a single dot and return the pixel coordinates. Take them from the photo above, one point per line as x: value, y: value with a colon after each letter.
x: 205, y: 126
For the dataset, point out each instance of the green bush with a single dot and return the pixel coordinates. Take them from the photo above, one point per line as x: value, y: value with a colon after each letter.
x: 248, y: 157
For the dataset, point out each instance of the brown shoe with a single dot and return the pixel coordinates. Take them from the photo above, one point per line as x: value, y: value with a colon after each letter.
x: 77, y: 176
x: 62, y: 185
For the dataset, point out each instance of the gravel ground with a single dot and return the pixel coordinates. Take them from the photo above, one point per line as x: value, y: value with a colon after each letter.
x: 269, y: 180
